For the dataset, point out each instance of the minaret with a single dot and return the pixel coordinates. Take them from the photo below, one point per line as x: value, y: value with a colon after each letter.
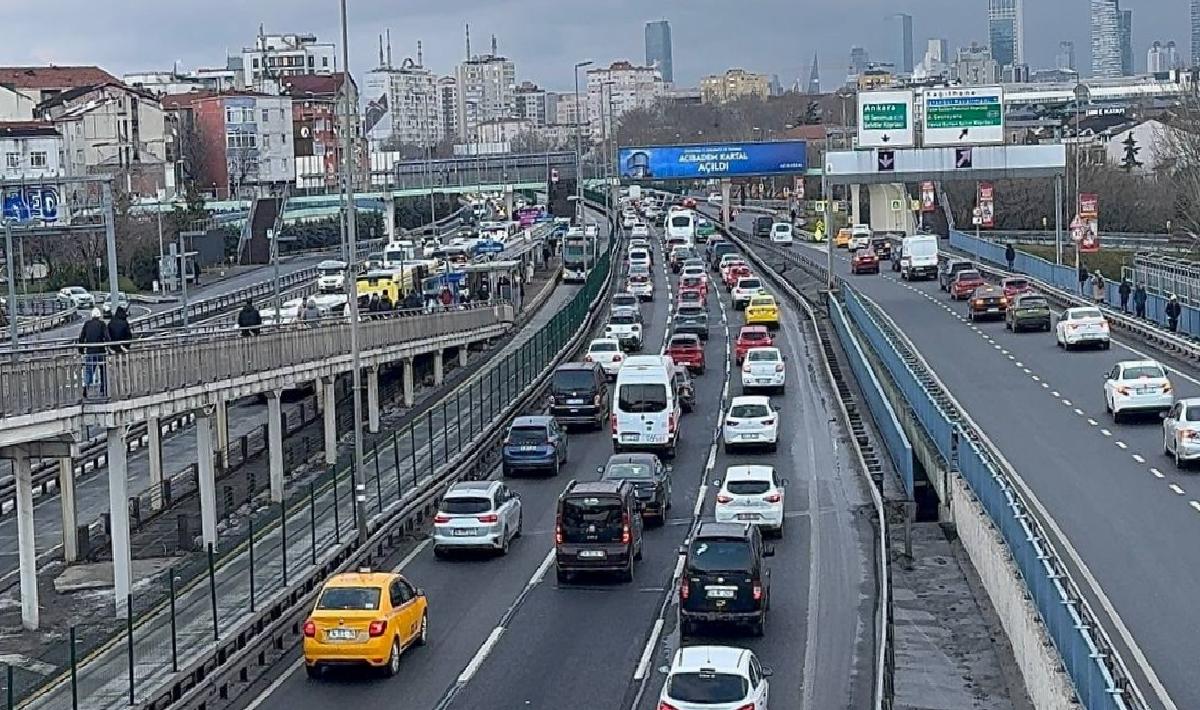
x: 468, y: 43
x: 389, y: 47
x: 420, y: 55
x: 381, y: 64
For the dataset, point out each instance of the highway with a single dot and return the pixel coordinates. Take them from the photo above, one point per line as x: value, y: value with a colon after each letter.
x: 504, y: 634
x: 1129, y: 515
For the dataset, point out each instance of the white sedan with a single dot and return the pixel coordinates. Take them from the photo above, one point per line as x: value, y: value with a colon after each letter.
x: 1137, y: 386
x: 606, y: 352
x: 1181, y: 431
x: 640, y: 230
x: 763, y: 368
x: 76, y: 296
x: 751, y: 421
x: 1082, y: 326
x: 752, y: 494
x: 716, y: 677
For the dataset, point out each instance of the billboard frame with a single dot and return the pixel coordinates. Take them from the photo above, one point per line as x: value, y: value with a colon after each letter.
x: 887, y: 138
x: 625, y: 150
x: 944, y: 137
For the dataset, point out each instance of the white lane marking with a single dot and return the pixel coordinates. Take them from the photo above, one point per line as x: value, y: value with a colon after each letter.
x: 700, y: 500
x: 1176, y: 489
x: 1106, y: 432
x: 1056, y: 393
x: 1078, y: 411
x: 1020, y: 364
x: 412, y: 555
x: 1093, y: 422
x: 1157, y: 473
x: 1067, y: 402
x: 1195, y: 505
x: 1026, y: 370
x: 484, y: 651
x: 1045, y: 386
x: 648, y: 651
x: 1139, y: 458
x: 1122, y: 444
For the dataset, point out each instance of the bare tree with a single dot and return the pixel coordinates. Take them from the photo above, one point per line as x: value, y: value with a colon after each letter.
x: 1178, y: 151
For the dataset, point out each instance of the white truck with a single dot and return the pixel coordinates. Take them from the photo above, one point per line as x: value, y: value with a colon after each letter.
x: 917, y: 257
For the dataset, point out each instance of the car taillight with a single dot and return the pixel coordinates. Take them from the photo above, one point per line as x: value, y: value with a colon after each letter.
x: 773, y: 497
x: 310, y: 628
x: 558, y: 535
x: 626, y: 533
x: 1123, y: 391
x: 612, y: 420
x: 488, y: 518
x: 1166, y: 387
x: 1073, y: 326
x: 664, y: 705
x: 768, y: 422
x: 779, y: 367
x: 671, y: 423
x: 977, y: 303
x: 747, y: 706
x: 587, y: 358
x: 1189, y: 434
x: 377, y: 628
x: 722, y: 498
x: 617, y: 358
x: 746, y: 366
x: 1004, y: 301
x: 731, y: 422
x: 758, y: 592
x: 683, y: 589
x: 441, y: 519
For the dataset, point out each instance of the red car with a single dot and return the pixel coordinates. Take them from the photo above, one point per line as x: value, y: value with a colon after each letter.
x: 694, y: 283
x: 751, y: 336
x: 738, y: 271
x: 691, y: 296
x: 964, y: 284
x: 686, y: 349
x: 1014, y: 286
x: 864, y: 261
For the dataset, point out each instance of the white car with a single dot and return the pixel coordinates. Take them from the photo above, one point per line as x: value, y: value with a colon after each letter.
x: 639, y: 243
x: 752, y: 494
x: 625, y: 299
x: 764, y: 368
x: 781, y: 234
x: 607, y: 353
x: 629, y: 218
x: 1137, y: 386
x: 626, y: 329
x: 640, y: 257
x: 77, y: 296
x: 751, y: 421
x: 860, y: 237
x: 641, y: 284
x: 477, y: 515
x: 1181, y: 431
x: 1082, y: 326
x: 715, y: 678
x: 639, y: 230
x: 746, y: 287
x: 714, y: 198
x: 694, y: 271
x: 728, y: 260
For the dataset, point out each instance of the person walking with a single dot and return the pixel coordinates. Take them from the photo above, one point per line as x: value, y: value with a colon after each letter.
x: 1124, y: 291
x: 1173, y: 311
x: 310, y: 313
x: 119, y: 332
x: 1098, y: 287
x: 1139, y: 301
x: 249, y: 319
x: 385, y: 305
x: 1083, y: 277
x: 92, y: 337
x: 446, y: 298
x: 413, y: 300
x: 1010, y: 255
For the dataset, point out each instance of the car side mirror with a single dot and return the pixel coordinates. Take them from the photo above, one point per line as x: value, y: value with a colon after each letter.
x: 768, y: 550
x: 767, y: 671
x: 599, y: 469
x: 1163, y: 415
x: 682, y: 550
x: 420, y: 592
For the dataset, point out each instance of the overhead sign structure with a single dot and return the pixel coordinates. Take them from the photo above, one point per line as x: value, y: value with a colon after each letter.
x: 885, y: 119
x: 32, y: 203
x: 717, y: 160
x: 985, y: 162
x: 964, y: 116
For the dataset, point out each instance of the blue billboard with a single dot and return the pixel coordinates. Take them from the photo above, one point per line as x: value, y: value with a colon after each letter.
x: 717, y: 160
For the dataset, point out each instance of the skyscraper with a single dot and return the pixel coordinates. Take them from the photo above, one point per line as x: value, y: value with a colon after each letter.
x: 858, y: 61
x: 1171, y: 52
x: 1195, y: 33
x: 1065, y: 59
x: 903, y: 37
x: 1126, y: 33
x: 1156, y: 58
x: 1106, y: 38
x: 658, y: 49
x: 1006, y: 31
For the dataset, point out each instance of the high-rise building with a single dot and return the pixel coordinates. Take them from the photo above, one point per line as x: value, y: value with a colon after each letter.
x: 617, y: 89
x: 859, y: 59
x: 536, y: 105
x: 275, y: 56
x: 487, y: 87
x: 1156, y: 58
x: 1174, y: 61
x: 903, y: 37
x: 402, y: 105
x: 974, y: 65
x: 1126, y: 33
x: 447, y: 92
x: 732, y: 85
x: 1195, y: 54
x: 1065, y: 59
x: 1006, y: 31
x: 1106, y: 38
x: 658, y: 49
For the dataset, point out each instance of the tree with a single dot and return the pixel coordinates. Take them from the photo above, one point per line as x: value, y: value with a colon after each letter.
x: 532, y: 142
x: 1129, y: 161
x: 1177, y: 148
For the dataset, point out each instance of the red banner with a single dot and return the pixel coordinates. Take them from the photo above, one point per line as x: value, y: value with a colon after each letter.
x: 987, y: 206
x: 928, y: 196
x: 1088, y: 221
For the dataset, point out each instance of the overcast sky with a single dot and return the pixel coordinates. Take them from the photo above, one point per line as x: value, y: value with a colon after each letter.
x: 545, y: 37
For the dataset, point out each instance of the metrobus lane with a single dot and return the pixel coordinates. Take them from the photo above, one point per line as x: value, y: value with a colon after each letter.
x: 581, y: 642
x: 1121, y: 512
x: 818, y: 634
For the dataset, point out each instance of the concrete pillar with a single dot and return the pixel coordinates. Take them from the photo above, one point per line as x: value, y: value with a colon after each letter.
x: 275, y: 443
x: 221, y: 444
x: 320, y: 395
x: 330, y: 421
x: 208, y: 478
x: 439, y: 367
x: 389, y: 216
x: 855, y: 194
x: 70, y: 518
x: 373, y: 400
x: 154, y: 447
x: 410, y: 396
x: 118, y: 511
x: 27, y: 550
x: 462, y: 355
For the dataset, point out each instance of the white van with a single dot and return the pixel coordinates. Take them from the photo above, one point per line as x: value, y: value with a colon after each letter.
x: 918, y: 257
x: 645, y: 412
x: 681, y: 224
x: 860, y: 237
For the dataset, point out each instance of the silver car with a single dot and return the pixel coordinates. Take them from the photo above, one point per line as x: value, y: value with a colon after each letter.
x: 477, y: 515
x: 1181, y: 431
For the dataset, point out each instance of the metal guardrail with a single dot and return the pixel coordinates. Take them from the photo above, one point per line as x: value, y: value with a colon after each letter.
x: 1131, y: 241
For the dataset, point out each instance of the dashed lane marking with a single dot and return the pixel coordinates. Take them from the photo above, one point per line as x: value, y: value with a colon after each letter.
x: 1176, y: 489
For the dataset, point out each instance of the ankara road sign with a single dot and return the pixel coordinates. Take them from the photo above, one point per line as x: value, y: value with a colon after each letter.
x: 964, y: 116
x: 885, y: 119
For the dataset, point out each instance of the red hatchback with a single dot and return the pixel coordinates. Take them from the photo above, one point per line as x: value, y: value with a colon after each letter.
x: 733, y: 273
x: 687, y: 350
x: 864, y: 261
x: 694, y: 283
x: 751, y: 336
x: 1014, y: 286
x: 964, y: 284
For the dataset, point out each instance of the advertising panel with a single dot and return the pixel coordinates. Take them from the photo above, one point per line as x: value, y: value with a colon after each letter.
x: 885, y: 119
x: 718, y: 160
x: 964, y: 116
x: 928, y: 196
x: 377, y: 116
x: 1087, y: 234
x: 987, y: 205
x: 33, y: 203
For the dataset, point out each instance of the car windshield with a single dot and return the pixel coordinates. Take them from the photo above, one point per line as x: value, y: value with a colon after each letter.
x: 762, y: 302
x: 691, y: 311
x: 690, y: 281
x: 629, y: 471
x: 969, y: 275
x: 749, y: 283
x: 742, y: 411
x: 1138, y: 372
x: 681, y: 221
x: 527, y: 435
x: 639, y: 255
x: 1033, y: 303
x: 747, y: 488
x: 1085, y: 313
x: 1191, y: 414
x: 625, y: 299
x: 349, y: 599
x: 922, y: 249
x: 720, y: 556
x: 685, y: 343
x: 569, y: 380
x: 762, y: 355
x: 604, y: 346
x: 647, y: 397
x: 622, y: 319
x: 591, y: 519
x: 753, y: 335
x: 465, y: 506
x: 1016, y: 283
x: 707, y: 688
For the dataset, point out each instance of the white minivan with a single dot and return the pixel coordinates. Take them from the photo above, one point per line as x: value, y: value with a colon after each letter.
x: 645, y: 412
x: 681, y: 223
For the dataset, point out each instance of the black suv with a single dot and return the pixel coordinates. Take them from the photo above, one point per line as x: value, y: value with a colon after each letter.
x: 597, y: 528
x: 650, y: 478
x: 762, y: 226
x: 579, y: 394
x: 724, y: 578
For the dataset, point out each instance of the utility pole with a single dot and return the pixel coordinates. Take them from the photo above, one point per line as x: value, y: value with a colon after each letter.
x: 579, y: 146
x: 12, y: 284
x: 826, y: 194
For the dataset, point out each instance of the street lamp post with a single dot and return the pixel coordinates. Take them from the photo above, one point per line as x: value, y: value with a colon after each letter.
x: 1083, y: 95
x: 579, y: 145
x: 12, y: 284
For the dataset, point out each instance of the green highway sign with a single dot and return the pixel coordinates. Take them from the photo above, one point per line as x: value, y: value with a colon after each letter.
x: 964, y: 116
x: 885, y: 119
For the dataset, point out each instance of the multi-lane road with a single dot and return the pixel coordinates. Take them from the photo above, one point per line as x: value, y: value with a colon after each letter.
x: 504, y: 634
x: 1129, y: 515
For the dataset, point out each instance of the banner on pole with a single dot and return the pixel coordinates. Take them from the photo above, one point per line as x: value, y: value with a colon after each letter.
x: 987, y: 205
x: 928, y: 196
x: 1089, y: 223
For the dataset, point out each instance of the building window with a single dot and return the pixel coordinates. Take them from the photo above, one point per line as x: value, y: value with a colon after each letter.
x: 255, y: 64
x: 325, y: 62
x: 266, y: 115
x: 312, y: 61
x: 37, y: 159
x: 266, y: 143
x: 12, y: 160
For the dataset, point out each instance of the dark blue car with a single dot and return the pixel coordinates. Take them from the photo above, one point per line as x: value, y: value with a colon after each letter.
x: 534, y: 444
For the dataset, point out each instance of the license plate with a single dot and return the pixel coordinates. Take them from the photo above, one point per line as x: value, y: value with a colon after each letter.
x: 592, y: 554
x: 1146, y: 390
x: 574, y: 410
x: 763, y: 380
x: 574, y: 401
x: 720, y: 592
x: 464, y: 532
x: 749, y: 436
x: 528, y: 448
x: 341, y: 634
x: 630, y: 437
x: 993, y: 310
x: 748, y: 516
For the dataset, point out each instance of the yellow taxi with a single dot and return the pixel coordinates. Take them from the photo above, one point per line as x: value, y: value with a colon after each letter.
x: 364, y: 619
x: 763, y: 310
x: 842, y: 240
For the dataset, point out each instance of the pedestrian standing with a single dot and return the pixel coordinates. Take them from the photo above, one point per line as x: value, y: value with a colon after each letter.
x: 1010, y: 255
x: 1083, y: 277
x: 92, y: 338
x: 385, y: 304
x: 310, y: 313
x: 119, y: 332
x: 1124, y: 290
x: 249, y: 319
x: 1173, y: 311
x: 447, y: 298
x: 1139, y: 301
x: 1098, y: 287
